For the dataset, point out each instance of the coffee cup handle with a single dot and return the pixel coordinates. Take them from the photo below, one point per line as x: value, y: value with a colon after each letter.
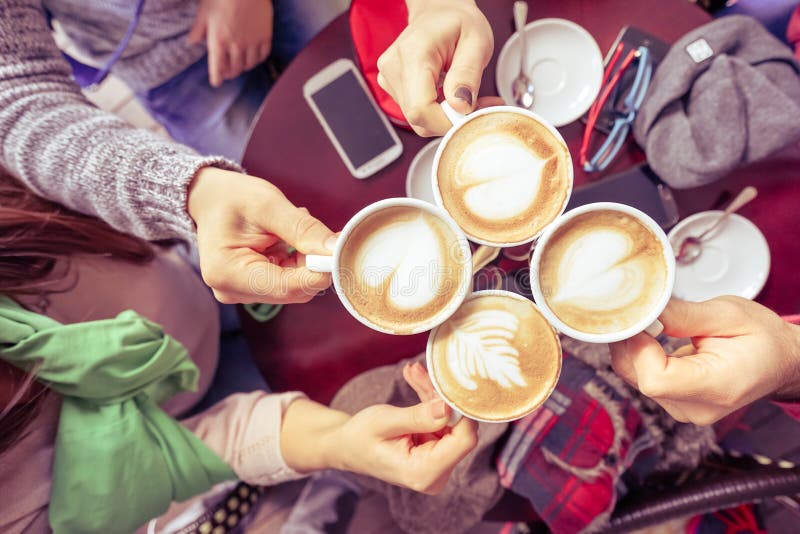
x: 453, y: 116
x: 319, y: 264
x: 655, y: 328
x: 455, y: 417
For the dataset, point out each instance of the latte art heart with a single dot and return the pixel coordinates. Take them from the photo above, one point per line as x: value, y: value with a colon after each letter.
x: 408, y: 268
x: 481, y: 346
x: 402, y: 266
x: 500, y: 176
x: 602, y: 272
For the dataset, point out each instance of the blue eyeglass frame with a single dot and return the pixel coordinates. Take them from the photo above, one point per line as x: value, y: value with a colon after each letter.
x: 624, y: 117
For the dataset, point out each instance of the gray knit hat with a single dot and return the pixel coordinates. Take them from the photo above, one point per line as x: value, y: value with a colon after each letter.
x: 726, y: 93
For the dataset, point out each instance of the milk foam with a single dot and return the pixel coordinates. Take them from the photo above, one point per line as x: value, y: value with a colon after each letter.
x: 480, y: 345
x: 597, y: 272
x: 409, y: 255
x: 501, y: 174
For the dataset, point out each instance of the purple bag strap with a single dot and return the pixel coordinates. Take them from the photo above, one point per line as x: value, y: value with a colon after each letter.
x: 89, y: 77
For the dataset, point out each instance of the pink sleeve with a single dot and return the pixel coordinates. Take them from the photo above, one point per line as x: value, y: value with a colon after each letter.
x: 244, y: 430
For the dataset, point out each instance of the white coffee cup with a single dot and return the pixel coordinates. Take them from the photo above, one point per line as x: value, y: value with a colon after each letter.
x: 648, y: 323
x: 457, y: 414
x: 458, y: 121
x: 330, y: 264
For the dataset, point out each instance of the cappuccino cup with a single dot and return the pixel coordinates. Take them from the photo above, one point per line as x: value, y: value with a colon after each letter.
x: 400, y: 266
x: 502, y: 173
x: 496, y: 359
x: 603, y: 272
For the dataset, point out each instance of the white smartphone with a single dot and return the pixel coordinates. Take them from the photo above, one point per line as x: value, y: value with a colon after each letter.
x: 353, y: 121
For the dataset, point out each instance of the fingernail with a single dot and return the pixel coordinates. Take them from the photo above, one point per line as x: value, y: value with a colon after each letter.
x: 330, y: 243
x: 463, y: 92
x: 437, y: 409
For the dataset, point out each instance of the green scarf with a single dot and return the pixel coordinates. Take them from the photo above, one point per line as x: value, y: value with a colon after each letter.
x: 119, y: 459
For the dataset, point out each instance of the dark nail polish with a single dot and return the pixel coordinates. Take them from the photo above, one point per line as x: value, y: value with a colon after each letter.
x: 464, y: 94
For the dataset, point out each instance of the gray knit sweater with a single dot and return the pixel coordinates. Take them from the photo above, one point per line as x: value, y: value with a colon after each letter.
x: 67, y: 150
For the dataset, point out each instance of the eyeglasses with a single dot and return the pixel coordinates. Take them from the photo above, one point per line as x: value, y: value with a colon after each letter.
x: 624, y: 113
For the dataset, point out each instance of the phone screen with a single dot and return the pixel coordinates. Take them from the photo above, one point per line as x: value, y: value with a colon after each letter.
x: 353, y: 120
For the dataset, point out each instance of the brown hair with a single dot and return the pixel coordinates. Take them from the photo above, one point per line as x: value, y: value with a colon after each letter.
x: 37, y: 238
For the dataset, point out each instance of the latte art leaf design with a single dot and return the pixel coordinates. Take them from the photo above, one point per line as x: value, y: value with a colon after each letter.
x: 480, y: 346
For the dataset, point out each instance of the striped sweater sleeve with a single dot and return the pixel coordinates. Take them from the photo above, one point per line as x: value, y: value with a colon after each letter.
x: 68, y: 151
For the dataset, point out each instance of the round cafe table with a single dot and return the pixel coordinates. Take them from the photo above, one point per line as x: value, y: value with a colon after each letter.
x: 317, y: 347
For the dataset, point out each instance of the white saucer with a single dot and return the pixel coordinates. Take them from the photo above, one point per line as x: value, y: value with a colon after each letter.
x: 419, y: 180
x: 735, y: 258
x: 564, y: 63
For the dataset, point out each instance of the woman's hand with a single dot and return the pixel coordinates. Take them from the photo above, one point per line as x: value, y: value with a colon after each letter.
x: 245, y: 227
x: 740, y: 352
x: 442, y: 35
x: 238, y: 35
x: 410, y: 447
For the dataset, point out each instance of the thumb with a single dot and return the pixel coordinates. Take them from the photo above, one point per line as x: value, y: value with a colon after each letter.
x: 714, y: 317
x: 423, y: 418
x: 298, y: 228
x: 463, y: 78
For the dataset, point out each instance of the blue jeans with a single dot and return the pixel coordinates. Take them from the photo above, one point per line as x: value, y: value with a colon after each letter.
x: 217, y: 120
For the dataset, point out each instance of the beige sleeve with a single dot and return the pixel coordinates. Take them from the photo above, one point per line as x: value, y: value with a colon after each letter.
x: 244, y: 430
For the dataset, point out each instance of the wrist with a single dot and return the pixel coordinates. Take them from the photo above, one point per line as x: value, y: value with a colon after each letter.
x: 309, y: 437
x: 202, y: 189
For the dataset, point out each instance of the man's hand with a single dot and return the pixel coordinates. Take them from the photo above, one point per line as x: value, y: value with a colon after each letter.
x: 740, y: 352
x: 238, y: 35
x: 245, y: 228
x: 449, y: 36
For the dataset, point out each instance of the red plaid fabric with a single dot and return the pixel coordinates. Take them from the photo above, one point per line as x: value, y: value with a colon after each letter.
x: 568, y: 457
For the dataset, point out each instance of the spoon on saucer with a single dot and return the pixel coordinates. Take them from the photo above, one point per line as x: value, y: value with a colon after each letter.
x: 522, y: 88
x: 691, y: 247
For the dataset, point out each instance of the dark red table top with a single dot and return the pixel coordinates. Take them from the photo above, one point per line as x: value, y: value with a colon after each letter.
x: 318, y: 346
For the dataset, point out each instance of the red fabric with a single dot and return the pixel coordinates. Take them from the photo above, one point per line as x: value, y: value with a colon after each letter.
x: 793, y: 32
x: 374, y: 25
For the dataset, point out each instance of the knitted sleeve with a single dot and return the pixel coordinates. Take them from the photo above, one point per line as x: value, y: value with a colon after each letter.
x: 68, y: 151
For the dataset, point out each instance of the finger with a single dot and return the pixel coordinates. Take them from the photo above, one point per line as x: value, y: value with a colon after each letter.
x: 236, y: 62
x: 716, y: 317
x: 295, y: 226
x: 621, y: 361
x: 387, y: 86
x: 251, y: 278
x: 463, y: 78
x: 660, y: 376
x: 425, y: 417
x: 412, y: 376
x: 675, y: 409
x: 264, y: 49
x: 252, y: 57
x: 217, y: 63
x: 198, y: 31
x: 453, y: 447
x: 424, y: 380
x: 419, y: 100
